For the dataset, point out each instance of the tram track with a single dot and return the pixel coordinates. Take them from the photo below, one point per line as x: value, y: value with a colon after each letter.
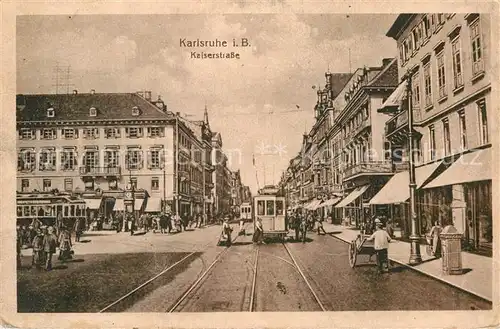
x: 165, y: 271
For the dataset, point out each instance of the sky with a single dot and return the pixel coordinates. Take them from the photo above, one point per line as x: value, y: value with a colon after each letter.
x: 261, y: 103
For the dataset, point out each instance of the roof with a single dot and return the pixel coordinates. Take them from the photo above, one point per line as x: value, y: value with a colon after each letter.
x: 388, y: 76
x: 338, y: 81
x: 398, y: 25
x: 76, y: 107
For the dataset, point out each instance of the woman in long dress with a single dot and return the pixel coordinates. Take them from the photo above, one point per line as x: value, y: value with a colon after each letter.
x: 65, y: 245
x: 436, y: 240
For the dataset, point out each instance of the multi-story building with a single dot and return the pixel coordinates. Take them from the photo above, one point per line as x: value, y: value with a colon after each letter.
x: 221, y: 177
x: 448, y: 57
x: 366, y: 161
x: 95, y: 144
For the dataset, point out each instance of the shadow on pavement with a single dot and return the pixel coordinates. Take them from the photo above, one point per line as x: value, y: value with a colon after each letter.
x: 84, y: 241
x: 59, y: 267
x: 300, y: 241
x: 334, y: 232
x: 241, y: 243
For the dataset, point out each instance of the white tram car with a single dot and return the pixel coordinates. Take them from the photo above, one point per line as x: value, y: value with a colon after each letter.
x: 270, y: 209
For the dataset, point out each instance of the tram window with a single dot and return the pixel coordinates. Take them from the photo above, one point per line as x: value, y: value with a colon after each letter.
x: 19, y: 211
x: 72, y: 210
x: 66, y: 210
x: 279, y: 207
x: 260, y: 208
x: 270, y: 207
x: 77, y: 211
x: 26, y: 211
x: 33, y: 211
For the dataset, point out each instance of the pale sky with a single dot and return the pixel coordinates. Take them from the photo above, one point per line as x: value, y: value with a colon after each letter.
x: 252, y: 101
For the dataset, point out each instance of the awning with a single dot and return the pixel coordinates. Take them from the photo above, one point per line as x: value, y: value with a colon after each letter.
x: 315, y: 204
x: 393, y: 102
x: 138, y: 204
x: 93, y: 203
x: 330, y: 202
x: 119, y: 205
x: 470, y: 167
x: 352, y: 196
x: 397, y: 188
x: 154, y: 205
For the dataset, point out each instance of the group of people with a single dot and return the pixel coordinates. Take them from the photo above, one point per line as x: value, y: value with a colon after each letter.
x: 45, y: 240
x: 301, y: 221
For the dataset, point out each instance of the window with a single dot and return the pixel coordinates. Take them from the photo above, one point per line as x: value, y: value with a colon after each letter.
x: 154, y: 132
x: 155, y: 184
x: 51, y: 113
x: 93, y: 112
x: 427, y: 84
x: 26, y: 160
x: 68, y: 184
x: 134, y: 159
x: 432, y: 142
x: 47, y: 160
x: 111, y: 158
x: 133, y: 132
x: 279, y: 207
x: 48, y: 133
x: 416, y: 37
x: 154, y: 161
x: 441, y: 74
x: 136, y: 111
x: 69, y: 133
x: 463, y: 129
x: 90, y: 133
x: 26, y: 133
x: 25, y: 185
x: 260, y: 208
x: 457, y: 63
x: 426, y: 27
x: 113, y: 132
x: 91, y: 159
x: 483, y: 122
x: 446, y: 137
x: 270, y: 207
x: 68, y: 159
x: 47, y: 184
x: 477, y: 55
x: 440, y: 19
x: 415, y: 90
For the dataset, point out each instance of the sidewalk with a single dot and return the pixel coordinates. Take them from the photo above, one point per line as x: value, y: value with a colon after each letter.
x: 478, y: 270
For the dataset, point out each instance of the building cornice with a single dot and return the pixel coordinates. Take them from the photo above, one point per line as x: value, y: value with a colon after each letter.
x: 107, y: 122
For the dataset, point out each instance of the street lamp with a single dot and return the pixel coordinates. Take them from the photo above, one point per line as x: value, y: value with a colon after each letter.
x: 415, y: 256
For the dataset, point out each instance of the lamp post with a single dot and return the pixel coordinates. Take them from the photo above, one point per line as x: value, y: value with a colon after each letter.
x: 415, y: 256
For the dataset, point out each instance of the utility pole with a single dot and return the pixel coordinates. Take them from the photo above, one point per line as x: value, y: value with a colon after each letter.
x: 415, y: 256
x: 177, y: 192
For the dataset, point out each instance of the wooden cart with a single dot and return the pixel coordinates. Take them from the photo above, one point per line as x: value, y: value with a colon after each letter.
x: 360, y: 246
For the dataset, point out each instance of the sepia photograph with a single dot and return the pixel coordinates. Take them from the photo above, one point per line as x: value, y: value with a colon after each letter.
x: 253, y: 162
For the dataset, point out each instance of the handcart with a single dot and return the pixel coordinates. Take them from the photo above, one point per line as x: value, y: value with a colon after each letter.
x: 360, y: 246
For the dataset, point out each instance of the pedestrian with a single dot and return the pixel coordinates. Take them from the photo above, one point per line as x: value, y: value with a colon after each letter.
x: 436, y: 239
x: 258, y: 234
x: 185, y: 220
x: 130, y: 223
x: 303, y: 228
x: 381, y: 241
x: 78, y: 229
x: 38, y: 250
x: 64, y: 245
x: 389, y: 228
x: 49, y: 247
x: 226, y: 230
x: 320, y: 226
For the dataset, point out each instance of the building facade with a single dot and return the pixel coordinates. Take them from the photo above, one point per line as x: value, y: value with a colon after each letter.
x: 448, y: 57
x: 96, y: 144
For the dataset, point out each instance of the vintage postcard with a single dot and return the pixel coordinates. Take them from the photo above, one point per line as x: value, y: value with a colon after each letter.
x: 238, y: 164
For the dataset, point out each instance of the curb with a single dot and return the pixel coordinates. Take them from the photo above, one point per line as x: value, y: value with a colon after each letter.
x: 428, y: 274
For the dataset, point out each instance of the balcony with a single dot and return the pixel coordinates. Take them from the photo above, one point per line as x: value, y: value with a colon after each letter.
x: 100, y: 171
x: 368, y: 168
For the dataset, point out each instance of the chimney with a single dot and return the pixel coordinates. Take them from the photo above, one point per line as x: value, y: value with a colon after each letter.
x: 92, y: 91
x: 75, y: 92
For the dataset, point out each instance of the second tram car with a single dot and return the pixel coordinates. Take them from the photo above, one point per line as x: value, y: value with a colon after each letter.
x: 270, y: 209
x: 246, y: 212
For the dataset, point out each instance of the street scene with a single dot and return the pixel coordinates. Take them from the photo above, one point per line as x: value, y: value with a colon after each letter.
x: 272, y: 163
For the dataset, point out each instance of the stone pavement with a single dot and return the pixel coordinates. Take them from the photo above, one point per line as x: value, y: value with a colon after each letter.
x: 478, y: 270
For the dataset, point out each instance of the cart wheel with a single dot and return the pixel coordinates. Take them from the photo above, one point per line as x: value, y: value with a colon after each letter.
x: 352, y: 254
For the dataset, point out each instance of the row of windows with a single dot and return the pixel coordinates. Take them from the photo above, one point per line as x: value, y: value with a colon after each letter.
x: 457, y: 70
x: 47, y: 159
x: 91, y: 133
x: 462, y: 126
x: 421, y: 34
x: 68, y: 184
x: 356, y: 121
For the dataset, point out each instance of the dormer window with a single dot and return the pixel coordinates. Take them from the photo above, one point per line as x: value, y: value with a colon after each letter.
x: 51, y: 112
x: 93, y: 112
x: 135, y: 111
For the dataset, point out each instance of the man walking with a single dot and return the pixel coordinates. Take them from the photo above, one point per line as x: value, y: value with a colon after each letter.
x: 303, y: 228
x: 320, y: 225
x: 49, y: 247
x: 381, y: 244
